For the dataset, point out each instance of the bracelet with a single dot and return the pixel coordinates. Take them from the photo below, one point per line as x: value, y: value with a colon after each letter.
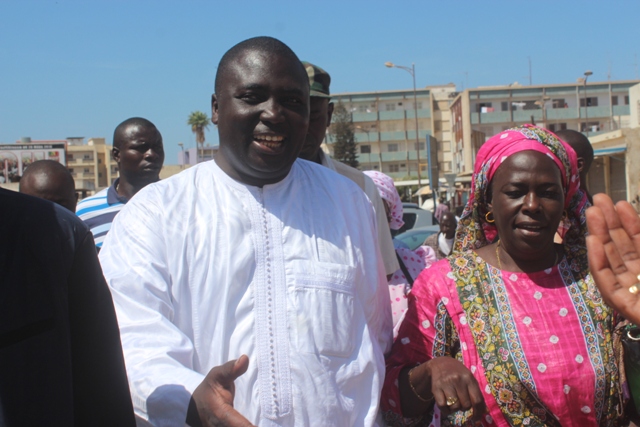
x: 415, y: 391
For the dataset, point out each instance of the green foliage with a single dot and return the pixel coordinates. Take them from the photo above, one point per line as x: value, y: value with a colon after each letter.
x: 344, y: 148
x: 199, y: 122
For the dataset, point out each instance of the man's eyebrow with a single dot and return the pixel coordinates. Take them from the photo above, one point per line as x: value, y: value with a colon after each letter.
x: 293, y: 91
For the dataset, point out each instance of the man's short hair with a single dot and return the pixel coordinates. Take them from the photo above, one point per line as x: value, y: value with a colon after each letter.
x: 580, y: 145
x: 118, y: 134
x: 48, y: 167
x: 265, y: 44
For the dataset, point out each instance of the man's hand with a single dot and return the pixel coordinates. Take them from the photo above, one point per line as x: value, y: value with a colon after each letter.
x: 212, y: 402
x: 613, y: 248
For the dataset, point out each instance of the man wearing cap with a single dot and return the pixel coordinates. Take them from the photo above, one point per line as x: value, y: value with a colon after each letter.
x: 321, y: 110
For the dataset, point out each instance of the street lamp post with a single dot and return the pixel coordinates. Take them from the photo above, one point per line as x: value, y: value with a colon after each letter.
x: 412, y: 71
x: 586, y: 100
x: 542, y: 102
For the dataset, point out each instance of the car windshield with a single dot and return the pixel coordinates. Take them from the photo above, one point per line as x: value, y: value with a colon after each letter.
x: 414, y: 238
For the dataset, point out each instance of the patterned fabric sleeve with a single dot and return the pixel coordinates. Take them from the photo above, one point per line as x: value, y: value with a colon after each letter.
x: 426, y: 332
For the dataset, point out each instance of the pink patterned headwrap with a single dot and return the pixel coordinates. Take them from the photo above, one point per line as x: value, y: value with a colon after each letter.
x: 388, y: 192
x: 473, y: 231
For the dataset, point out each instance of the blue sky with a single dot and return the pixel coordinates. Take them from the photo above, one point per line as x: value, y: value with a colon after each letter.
x: 78, y: 68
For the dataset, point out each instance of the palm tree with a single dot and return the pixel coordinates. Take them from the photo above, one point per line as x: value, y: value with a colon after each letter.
x: 199, y: 122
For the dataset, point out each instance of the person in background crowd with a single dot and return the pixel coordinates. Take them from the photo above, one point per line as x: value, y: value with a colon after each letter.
x: 511, y: 326
x: 49, y: 180
x: 441, y: 208
x: 442, y: 242
x: 613, y: 247
x: 320, y: 113
x: 250, y: 288
x: 139, y: 153
x: 411, y: 263
x: 584, y: 150
x: 61, y: 360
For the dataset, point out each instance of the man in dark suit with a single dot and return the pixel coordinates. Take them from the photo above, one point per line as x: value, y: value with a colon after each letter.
x: 61, y: 361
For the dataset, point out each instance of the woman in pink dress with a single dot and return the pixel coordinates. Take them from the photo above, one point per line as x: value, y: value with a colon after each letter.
x: 411, y: 262
x: 510, y: 330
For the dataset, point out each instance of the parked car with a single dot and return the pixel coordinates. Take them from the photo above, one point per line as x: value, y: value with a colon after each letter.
x: 406, y: 205
x: 415, y: 237
x: 415, y: 217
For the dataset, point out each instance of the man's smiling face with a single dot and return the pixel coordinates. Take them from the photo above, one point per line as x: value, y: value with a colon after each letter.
x: 262, y: 113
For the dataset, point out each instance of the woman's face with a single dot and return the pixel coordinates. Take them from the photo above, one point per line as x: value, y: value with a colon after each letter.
x: 527, y: 202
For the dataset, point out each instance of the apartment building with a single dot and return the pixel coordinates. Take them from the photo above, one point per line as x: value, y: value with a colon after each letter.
x: 192, y: 156
x: 91, y: 164
x: 385, y: 129
x: 479, y: 113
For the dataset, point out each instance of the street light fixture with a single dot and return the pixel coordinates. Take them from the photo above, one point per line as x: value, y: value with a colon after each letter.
x: 541, y: 103
x: 412, y: 71
x: 586, y: 100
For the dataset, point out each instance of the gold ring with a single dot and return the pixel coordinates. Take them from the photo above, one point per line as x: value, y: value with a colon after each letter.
x: 451, y: 401
x: 634, y: 289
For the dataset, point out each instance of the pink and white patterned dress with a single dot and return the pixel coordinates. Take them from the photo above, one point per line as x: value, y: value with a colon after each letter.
x: 399, y: 288
x: 539, y: 344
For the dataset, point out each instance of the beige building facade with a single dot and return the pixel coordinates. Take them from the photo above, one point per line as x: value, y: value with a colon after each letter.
x: 385, y: 130
x: 91, y: 164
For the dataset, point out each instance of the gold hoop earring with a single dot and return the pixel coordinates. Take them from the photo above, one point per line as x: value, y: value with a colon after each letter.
x: 486, y: 217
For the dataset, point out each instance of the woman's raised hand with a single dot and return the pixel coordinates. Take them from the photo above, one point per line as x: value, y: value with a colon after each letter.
x: 613, y: 248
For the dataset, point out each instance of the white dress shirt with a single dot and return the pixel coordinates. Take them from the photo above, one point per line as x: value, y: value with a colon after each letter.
x: 203, y: 269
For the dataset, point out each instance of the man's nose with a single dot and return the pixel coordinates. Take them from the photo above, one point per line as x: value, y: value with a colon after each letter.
x: 272, y: 111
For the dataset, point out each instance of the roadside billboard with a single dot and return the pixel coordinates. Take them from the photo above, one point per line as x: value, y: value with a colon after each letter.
x: 15, y: 158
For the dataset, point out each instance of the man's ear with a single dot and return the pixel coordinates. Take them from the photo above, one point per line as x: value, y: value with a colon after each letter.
x: 214, y: 109
x: 115, y: 154
x: 580, y: 164
x: 329, y: 113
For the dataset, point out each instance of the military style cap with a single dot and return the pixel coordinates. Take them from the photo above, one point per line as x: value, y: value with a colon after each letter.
x: 319, y: 80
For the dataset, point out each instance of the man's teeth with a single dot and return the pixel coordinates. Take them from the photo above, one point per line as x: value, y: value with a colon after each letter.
x: 269, y: 141
x: 273, y: 138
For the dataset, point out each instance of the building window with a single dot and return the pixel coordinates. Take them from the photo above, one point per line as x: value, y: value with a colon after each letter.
x: 394, y: 168
x: 422, y: 146
x: 555, y: 127
x: 626, y: 100
x: 69, y: 156
x: 558, y: 103
x: 484, y: 107
x: 86, y: 170
x: 100, y: 175
x: 365, y: 149
x: 590, y: 102
x: 87, y: 156
x: 419, y: 105
x: 390, y: 107
x: 593, y: 127
x: 392, y: 148
x: 614, y: 100
x: 504, y: 106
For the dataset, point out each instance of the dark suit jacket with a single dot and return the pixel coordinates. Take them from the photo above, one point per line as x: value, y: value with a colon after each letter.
x: 61, y: 361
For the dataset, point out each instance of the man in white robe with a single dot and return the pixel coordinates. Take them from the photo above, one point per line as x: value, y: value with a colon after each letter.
x: 246, y: 293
